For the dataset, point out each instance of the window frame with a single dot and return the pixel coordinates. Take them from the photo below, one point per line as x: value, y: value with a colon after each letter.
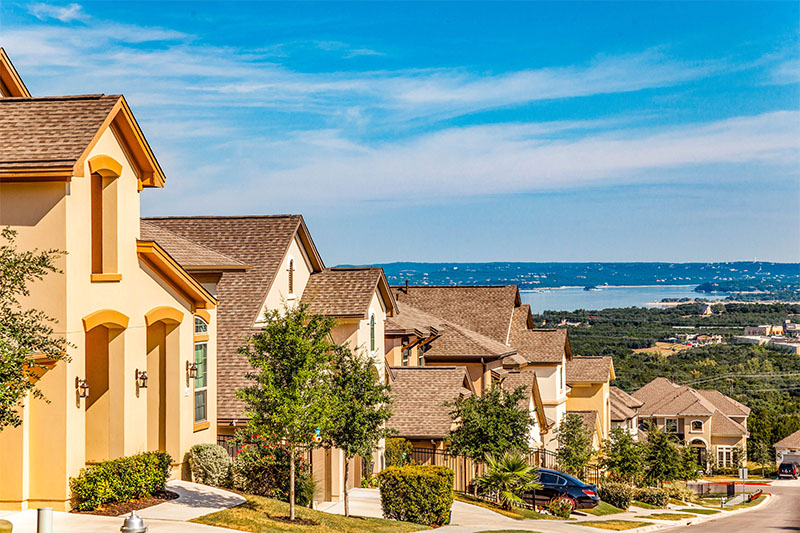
x: 204, y: 388
x: 691, y: 426
x: 372, y: 332
x: 666, y: 424
x: 406, y: 355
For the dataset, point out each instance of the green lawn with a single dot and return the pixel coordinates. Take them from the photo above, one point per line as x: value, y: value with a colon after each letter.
x: 602, y: 510
x: 265, y: 515
x: 698, y: 511
x: 754, y: 502
x: 517, y: 513
x: 616, y: 525
x: 667, y: 516
x: 643, y: 505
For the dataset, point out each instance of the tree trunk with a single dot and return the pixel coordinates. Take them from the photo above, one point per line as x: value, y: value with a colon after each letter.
x: 346, y: 489
x: 291, y: 484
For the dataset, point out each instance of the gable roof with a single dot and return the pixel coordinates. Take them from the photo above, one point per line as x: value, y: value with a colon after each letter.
x: 486, y: 309
x: 597, y: 369
x: 261, y: 242
x: 541, y: 345
x: 50, y: 137
x: 792, y: 441
x: 346, y: 292
x: 153, y: 255
x: 411, y: 321
x: 513, y: 379
x: 456, y: 341
x: 623, y: 405
x: 724, y: 403
x: 724, y: 425
x: 11, y: 84
x: 418, y: 396
x: 192, y: 256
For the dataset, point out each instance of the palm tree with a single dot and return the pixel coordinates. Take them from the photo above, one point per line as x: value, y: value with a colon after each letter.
x: 509, y: 477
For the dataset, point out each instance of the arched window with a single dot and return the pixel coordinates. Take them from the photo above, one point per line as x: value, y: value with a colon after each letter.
x: 697, y: 426
x: 291, y: 276
x: 372, y: 333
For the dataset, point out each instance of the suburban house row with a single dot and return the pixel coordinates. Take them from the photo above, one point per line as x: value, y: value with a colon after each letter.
x: 155, y: 309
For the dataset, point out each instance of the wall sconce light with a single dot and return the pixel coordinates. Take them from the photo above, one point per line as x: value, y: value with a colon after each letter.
x: 191, y: 370
x: 82, y: 387
x: 141, y: 379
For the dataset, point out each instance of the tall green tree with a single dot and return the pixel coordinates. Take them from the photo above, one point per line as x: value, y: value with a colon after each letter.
x: 490, y: 424
x: 28, y: 343
x: 662, y: 457
x: 358, y: 410
x: 622, y: 456
x: 574, y: 444
x: 762, y: 454
x: 292, y: 359
x: 689, y: 469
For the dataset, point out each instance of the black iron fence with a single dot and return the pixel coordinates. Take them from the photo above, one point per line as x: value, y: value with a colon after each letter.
x: 466, y: 470
x: 232, y: 447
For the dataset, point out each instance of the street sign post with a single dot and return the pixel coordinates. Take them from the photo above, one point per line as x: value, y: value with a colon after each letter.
x: 743, y: 476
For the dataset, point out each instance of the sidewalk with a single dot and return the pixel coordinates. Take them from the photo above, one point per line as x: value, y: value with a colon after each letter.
x: 170, y: 517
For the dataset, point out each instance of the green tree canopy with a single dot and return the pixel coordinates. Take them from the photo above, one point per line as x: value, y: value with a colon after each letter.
x: 494, y: 423
x: 662, y: 456
x: 291, y: 359
x: 622, y: 456
x: 27, y: 339
x: 574, y: 444
x: 357, y: 410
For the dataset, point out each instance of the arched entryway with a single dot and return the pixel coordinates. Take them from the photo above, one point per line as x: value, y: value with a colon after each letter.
x: 162, y: 355
x: 104, y: 365
x: 700, y: 451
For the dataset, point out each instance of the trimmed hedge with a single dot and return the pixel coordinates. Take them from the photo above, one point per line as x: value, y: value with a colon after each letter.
x: 120, y: 480
x: 419, y: 494
x: 680, y: 491
x: 398, y: 452
x: 653, y: 496
x: 617, y: 494
x: 210, y: 464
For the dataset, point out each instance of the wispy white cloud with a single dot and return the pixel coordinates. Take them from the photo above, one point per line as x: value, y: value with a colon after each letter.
x: 67, y: 13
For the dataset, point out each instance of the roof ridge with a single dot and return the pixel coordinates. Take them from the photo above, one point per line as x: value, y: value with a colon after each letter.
x: 95, y: 96
x: 493, y: 286
x: 226, y: 217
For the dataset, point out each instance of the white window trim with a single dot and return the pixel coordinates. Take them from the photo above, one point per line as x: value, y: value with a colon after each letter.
x: 200, y: 389
x: 691, y: 426
x: 725, y: 451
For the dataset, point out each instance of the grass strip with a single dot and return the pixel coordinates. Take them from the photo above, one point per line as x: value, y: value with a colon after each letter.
x: 667, y: 516
x: 643, y: 505
x: 698, y: 511
x: 603, y: 509
x: 615, y: 525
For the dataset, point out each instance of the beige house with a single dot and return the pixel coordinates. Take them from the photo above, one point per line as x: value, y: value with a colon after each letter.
x: 592, y: 423
x: 71, y: 170
x: 788, y: 449
x: 625, y: 411
x: 284, y: 267
x: 590, y: 392
x: 709, y: 421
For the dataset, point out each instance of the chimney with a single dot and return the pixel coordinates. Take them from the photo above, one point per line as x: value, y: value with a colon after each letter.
x: 406, y: 286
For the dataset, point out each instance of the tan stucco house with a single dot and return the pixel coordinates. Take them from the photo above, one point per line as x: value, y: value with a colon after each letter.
x: 590, y: 391
x: 625, y: 411
x: 284, y: 267
x: 71, y: 171
x: 707, y: 420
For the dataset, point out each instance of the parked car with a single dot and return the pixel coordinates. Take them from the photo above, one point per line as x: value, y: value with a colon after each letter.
x: 557, y: 484
x: 789, y: 470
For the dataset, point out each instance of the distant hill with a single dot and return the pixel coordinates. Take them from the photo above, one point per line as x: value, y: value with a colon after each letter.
x: 769, y: 276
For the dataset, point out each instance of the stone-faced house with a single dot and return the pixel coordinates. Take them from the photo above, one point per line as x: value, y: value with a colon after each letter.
x: 625, y: 411
x: 709, y: 421
x: 283, y: 268
x: 588, y: 379
x: 141, y: 329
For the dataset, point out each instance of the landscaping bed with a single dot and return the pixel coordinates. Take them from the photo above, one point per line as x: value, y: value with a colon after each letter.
x: 117, y: 509
x: 517, y: 513
x: 266, y: 515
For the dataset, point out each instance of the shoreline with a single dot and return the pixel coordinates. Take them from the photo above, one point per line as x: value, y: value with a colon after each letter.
x: 601, y: 287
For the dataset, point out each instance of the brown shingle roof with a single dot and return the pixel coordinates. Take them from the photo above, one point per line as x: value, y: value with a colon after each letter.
x: 410, y: 318
x: 486, y: 309
x: 514, y: 379
x: 723, y: 425
x: 418, y: 395
x: 792, y: 441
x: 623, y: 405
x: 724, y: 403
x: 541, y: 345
x: 457, y: 341
x: 51, y: 131
x: 191, y: 255
x: 343, y: 291
x: 258, y: 241
x: 590, y: 369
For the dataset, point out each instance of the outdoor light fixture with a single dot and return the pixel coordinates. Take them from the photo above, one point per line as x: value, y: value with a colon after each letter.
x: 82, y: 387
x: 141, y: 379
x: 191, y: 370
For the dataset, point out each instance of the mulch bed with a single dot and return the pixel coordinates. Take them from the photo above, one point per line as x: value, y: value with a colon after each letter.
x: 297, y: 520
x: 118, y: 509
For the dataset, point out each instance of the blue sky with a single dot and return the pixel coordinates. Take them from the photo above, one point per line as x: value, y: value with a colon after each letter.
x: 455, y: 131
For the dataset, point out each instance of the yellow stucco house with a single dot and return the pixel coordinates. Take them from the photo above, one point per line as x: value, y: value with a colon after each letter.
x: 71, y: 171
x: 589, y: 393
x: 283, y: 266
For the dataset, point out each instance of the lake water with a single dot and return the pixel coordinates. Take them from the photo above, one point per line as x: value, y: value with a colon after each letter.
x: 570, y: 299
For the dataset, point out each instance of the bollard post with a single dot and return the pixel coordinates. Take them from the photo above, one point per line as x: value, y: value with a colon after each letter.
x: 44, y: 520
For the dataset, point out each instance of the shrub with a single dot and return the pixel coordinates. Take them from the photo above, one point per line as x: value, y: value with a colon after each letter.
x: 680, y: 491
x: 120, y: 480
x: 262, y: 468
x: 419, y: 494
x: 616, y: 494
x: 561, y: 507
x: 652, y: 496
x: 508, y: 477
x: 398, y: 452
x: 210, y: 464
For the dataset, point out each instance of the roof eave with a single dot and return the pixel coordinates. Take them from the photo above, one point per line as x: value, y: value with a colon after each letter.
x: 171, y: 271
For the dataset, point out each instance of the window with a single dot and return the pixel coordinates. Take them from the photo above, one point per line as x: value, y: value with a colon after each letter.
x: 724, y: 455
x: 697, y: 426
x: 671, y: 425
x: 200, y: 326
x: 405, y: 356
x: 291, y: 276
x: 201, y: 382
x: 421, y: 356
x: 546, y: 478
x: 372, y: 333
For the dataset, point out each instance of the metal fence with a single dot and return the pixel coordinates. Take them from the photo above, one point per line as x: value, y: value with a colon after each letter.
x: 466, y: 470
x: 232, y: 447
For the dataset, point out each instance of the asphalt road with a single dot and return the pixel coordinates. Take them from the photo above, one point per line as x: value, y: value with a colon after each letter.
x: 781, y: 513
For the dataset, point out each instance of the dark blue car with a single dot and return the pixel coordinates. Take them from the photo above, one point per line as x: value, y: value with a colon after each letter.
x: 557, y: 485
